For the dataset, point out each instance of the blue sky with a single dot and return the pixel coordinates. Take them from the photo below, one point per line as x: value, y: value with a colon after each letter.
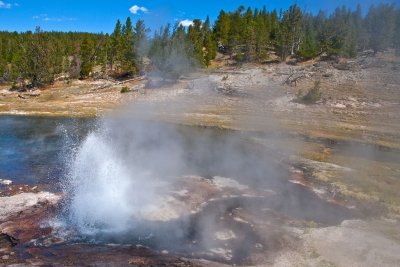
x: 100, y: 16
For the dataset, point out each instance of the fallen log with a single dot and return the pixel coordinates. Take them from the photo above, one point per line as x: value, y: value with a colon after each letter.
x: 294, y: 78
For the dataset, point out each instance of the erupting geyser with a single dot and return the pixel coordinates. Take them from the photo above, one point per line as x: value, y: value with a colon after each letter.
x: 138, y: 181
x: 192, y: 191
x: 187, y: 190
x: 115, y: 175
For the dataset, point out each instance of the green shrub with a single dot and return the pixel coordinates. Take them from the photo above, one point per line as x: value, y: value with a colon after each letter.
x: 14, y: 86
x: 307, y: 54
x: 313, y: 95
x: 124, y: 89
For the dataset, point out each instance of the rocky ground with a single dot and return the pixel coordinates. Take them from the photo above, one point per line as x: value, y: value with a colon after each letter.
x: 345, y: 149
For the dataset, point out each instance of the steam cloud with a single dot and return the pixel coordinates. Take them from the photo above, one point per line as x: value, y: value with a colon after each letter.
x: 126, y: 168
x: 116, y: 172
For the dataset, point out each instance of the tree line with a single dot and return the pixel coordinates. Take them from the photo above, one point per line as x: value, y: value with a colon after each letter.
x: 251, y: 35
x: 246, y: 35
x: 33, y: 59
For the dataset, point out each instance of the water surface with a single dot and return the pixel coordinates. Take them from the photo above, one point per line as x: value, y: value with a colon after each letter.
x: 32, y: 148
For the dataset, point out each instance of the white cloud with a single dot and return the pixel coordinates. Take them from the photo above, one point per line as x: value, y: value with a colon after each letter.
x: 45, y: 17
x: 186, y: 22
x: 5, y: 5
x: 60, y: 19
x: 135, y: 9
x: 41, y: 16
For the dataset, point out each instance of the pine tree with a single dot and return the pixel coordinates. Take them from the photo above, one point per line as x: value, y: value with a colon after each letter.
x: 274, y: 28
x: 309, y: 46
x: 74, y: 70
x: 115, y: 53
x: 3, y: 65
x: 103, y: 54
x: 360, y: 29
x: 38, y: 66
x: 208, y: 42
x: 196, y: 38
x: 86, y: 57
x: 262, y: 33
x: 128, y: 55
x: 380, y: 22
x: 236, y: 34
x: 222, y: 30
x: 290, y: 31
x: 141, y: 42
x: 249, y: 35
x: 19, y: 66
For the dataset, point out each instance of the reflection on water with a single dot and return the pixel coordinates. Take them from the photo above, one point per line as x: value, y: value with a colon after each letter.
x: 31, y: 149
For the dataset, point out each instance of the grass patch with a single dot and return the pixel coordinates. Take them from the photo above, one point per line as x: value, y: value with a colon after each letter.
x: 311, y: 224
x: 124, y: 90
x: 325, y: 263
x: 314, y: 253
x: 312, y: 96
